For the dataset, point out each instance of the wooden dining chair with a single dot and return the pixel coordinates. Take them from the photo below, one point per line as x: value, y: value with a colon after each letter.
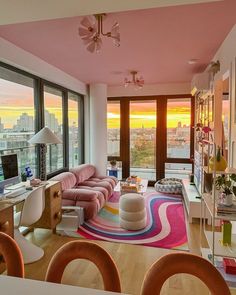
x: 84, y: 250
x: 174, y: 263
x: 12, y: 256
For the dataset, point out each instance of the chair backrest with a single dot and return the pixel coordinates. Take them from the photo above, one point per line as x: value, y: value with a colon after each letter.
x: 174, y: 263
x: 33, y: 206
x: 84, y: 250
x: 12, y: 256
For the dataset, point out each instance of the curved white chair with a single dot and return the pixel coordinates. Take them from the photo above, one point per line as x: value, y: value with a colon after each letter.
x: 31, y: 212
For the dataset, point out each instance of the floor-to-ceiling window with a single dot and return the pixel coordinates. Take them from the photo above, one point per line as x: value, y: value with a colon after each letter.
x: 53, y: 118
x: 151, y: 136
x: 27, y: 104
x: 17, y: 118
x: 142, y: 126
x: 114, y: 135
x: 75, y: 130
x: 178, y: 137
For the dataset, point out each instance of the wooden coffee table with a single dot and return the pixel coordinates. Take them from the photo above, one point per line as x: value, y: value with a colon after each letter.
x: 142, y: 190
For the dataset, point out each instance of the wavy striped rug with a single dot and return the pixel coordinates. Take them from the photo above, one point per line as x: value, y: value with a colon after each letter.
x: 166, y: 227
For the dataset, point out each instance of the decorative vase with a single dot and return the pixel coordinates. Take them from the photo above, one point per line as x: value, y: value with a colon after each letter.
x: 227, y: 199
x: 218, y: 163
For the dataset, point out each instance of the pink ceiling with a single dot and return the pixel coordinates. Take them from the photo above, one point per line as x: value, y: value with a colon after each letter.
x: 157, y: 42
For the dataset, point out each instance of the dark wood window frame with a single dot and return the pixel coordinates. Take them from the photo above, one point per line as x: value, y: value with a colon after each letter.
x: 161, y: 139
x: 39, y: 84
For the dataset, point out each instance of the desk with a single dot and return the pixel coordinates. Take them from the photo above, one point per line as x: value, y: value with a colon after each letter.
x: 12, y: 286
x: 51, y: 215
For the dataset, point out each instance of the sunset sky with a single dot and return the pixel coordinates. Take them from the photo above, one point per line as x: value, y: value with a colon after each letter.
x: 144, y: 114
x: 17, y: 99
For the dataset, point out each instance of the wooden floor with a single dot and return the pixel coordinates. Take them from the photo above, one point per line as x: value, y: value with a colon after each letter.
x: 132, y: 261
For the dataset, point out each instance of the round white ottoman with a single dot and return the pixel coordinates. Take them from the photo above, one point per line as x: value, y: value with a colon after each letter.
x: 132, y: 211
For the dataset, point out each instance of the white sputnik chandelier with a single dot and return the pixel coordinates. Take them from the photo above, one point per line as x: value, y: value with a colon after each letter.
x: 91, y: 32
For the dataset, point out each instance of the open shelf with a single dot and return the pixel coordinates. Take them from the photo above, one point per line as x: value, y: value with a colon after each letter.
x: 209, y: 204
x: 229, y: 170
x: 230, y: 279
x: 220, y: 249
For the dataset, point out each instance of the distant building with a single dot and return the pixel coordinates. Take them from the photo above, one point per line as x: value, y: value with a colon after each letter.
x: 179, y: 125
x: 24, y: 123
x: 1, y: 125
x: 51, y: 121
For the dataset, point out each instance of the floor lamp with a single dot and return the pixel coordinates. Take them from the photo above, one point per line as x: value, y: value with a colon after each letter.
x: 43, y: 137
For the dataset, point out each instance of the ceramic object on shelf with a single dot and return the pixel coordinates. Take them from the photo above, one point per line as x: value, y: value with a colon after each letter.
x: 218, y: 163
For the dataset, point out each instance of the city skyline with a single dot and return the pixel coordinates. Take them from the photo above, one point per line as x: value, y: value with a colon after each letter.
x: 17, y: 99
x: 144, y: 114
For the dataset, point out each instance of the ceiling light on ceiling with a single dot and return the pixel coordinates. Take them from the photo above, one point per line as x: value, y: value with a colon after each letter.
x: 91, y: 32
x: 192, y: 61
x: 138, y: 82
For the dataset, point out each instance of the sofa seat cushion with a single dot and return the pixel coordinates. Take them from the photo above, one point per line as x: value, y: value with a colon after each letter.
x: 111, y: 179
x: 104, y: 184
x: 83, y: 172
x: 90, y: 208
x: 81, y: 194
x: 67, y: 180
x: 102, y: 193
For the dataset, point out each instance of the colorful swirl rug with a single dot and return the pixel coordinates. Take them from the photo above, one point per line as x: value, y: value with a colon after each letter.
x: 166, y: 227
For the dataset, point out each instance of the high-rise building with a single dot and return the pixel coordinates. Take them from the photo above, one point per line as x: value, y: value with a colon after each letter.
x: 24, y: 123
x: 1, y: 125
x: 51, y: 121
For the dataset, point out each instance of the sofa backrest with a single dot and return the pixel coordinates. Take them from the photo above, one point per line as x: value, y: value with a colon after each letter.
x: 67, y: 179
x: 83, y: 172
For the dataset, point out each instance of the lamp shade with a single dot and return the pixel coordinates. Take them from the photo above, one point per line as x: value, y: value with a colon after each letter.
x: 44, y: 136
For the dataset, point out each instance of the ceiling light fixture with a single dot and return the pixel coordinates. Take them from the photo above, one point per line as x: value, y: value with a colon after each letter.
x: 91, y: 31
x: 138, y: 82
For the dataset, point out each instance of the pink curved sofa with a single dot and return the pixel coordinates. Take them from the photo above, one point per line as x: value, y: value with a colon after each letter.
x: 82, y: 187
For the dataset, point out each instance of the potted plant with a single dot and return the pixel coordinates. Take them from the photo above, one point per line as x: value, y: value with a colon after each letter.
x: 113, y: 164
x: 225, y: 184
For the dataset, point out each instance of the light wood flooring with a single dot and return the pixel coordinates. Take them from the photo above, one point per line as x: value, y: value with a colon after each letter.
x: 132, y: 261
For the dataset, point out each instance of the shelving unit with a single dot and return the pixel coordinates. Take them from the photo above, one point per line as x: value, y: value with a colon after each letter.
x: 216, y: 250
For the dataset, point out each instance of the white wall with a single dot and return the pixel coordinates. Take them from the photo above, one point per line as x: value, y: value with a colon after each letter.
x: 15, y: 56
x: 226, y: 54
x: 151, y: 89
x: 98, y: 126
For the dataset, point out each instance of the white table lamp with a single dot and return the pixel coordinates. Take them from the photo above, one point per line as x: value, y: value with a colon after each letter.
x: 43, y: 137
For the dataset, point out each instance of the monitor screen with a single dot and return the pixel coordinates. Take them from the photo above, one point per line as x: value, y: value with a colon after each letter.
x: 9, y: 166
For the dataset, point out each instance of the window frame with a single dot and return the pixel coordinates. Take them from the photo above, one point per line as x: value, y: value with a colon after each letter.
x: 39, y: 84
x: 161, y: 139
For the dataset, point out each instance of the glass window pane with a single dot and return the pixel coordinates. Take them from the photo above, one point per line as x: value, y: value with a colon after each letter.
x: 113, y: 128
x: 178, y: 170
x: 74, y: 130
x: 54, y: 120
x: 17, y: 117
x: 178, y: 128
x: 143, y: 139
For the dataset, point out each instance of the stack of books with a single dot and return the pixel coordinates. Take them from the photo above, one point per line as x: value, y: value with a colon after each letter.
x: 129, y: 188
x: 221, y: 209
